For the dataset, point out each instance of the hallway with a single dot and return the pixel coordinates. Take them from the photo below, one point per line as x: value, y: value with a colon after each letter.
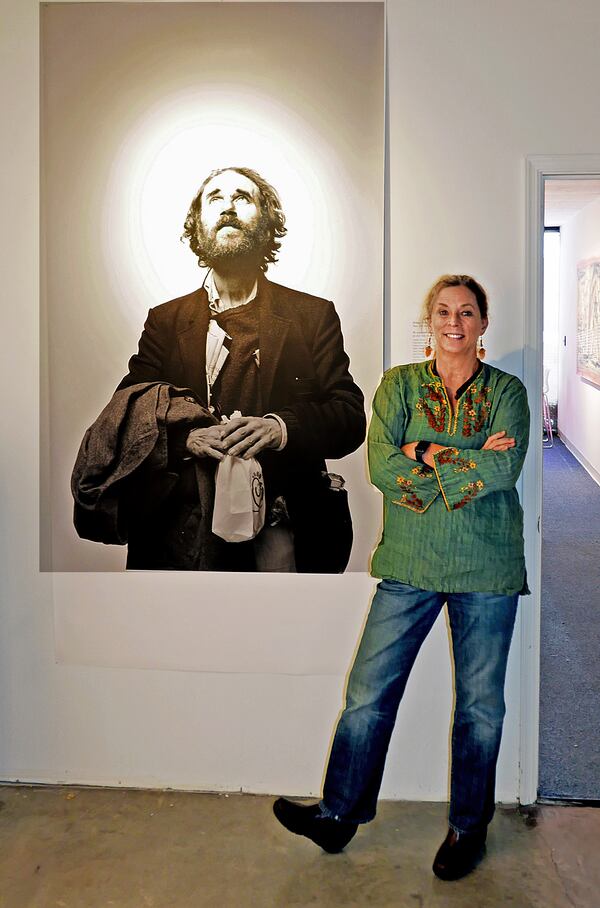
x: 570, y: 630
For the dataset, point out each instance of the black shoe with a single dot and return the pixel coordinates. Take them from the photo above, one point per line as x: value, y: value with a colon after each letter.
x: 459, y: 854
x: 306, y: 819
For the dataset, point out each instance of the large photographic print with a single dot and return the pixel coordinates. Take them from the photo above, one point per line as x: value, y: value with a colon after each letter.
x: 212, y: 222
x: 588, y: 320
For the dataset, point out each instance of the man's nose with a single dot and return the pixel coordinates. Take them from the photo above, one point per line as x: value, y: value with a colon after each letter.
x: 227, y: 205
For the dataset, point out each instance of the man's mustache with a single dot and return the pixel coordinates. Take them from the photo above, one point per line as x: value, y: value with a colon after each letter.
x: 229, y: 222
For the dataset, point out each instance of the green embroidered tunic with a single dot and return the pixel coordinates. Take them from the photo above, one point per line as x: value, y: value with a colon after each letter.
x: 457, y: 528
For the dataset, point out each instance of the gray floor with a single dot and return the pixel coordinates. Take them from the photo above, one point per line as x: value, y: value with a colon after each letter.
x: 99, y: 848
x: 570, y: 631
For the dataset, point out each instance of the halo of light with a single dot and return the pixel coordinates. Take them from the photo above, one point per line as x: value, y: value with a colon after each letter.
x: 165, y: 157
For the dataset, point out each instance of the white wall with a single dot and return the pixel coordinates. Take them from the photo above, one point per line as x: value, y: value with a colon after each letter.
x: 470, y: 95
x: 579, y: 401
x: 552, y: 336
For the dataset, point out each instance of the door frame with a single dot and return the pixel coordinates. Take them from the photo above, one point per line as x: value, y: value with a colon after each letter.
x: 538, y: 169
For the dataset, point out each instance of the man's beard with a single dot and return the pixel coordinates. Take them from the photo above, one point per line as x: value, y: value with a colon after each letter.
x: 247, y: 246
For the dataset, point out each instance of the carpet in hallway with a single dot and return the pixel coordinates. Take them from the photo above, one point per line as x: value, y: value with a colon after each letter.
x: 570, y: 633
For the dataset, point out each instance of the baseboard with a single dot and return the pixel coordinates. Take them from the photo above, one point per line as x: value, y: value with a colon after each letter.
x: 579, y: 456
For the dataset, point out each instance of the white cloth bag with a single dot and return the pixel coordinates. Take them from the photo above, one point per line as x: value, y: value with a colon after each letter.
x: 239, y: 511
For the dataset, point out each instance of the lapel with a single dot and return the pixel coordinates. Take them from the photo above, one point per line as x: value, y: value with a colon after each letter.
x: 191, y: 336
x: 272, y: 331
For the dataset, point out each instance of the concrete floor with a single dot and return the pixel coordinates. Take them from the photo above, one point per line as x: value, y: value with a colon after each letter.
x: 99, y: 848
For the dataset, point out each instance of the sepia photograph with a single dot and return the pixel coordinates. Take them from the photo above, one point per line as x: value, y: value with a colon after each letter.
x: 212, y: 222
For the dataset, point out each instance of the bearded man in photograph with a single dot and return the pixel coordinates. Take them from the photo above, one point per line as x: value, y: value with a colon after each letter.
x: 244, y: 344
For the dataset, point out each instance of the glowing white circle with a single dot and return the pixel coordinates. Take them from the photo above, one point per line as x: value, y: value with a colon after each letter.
x: 163, y: 160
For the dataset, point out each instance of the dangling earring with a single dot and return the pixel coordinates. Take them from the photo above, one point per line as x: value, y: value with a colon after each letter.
x: 428, y: 348
x: 481, y: 350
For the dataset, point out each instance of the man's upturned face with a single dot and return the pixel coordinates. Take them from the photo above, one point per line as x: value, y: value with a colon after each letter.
x: 232, y: 224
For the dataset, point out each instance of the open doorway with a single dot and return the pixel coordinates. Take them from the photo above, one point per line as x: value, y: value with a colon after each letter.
x: 569, y: 728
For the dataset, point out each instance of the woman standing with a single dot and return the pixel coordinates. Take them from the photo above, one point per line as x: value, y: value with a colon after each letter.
x: 446, y: 445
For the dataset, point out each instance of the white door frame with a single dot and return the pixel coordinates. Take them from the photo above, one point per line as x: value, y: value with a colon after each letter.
x: 539, y: 167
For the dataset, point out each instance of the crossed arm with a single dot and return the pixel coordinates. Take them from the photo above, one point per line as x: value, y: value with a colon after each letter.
x: 498, y: 441
x: 458, y: 474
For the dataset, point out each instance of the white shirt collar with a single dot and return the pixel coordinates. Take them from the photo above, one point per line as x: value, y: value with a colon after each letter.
x: 215, y: 303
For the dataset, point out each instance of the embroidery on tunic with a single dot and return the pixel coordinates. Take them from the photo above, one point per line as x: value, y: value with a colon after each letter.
x: 411, y: 500
x: 448, y: 455
x: 425, y: 472
x: 452, y: 456
x: 465, y: 465
x: 476, y: 410
x: 433, y: 405
x: 470, y: 491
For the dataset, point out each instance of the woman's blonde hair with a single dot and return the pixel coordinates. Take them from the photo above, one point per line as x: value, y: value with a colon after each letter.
x: 455, y: 280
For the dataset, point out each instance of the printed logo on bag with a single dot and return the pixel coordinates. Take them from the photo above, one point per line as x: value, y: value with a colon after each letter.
x: 258, y: 489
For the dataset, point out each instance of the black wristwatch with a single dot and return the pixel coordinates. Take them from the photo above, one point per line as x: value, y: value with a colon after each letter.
x: 421, y: 448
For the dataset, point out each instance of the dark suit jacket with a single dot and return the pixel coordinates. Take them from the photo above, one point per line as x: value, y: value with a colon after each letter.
x: 304, y: 378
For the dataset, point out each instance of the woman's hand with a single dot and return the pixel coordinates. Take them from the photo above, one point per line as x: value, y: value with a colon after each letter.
x: 499, y: 441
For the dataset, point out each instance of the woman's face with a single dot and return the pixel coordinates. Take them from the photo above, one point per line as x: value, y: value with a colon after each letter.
x: 456, y: 322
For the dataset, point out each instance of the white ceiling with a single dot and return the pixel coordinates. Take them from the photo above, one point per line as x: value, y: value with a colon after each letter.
x: 564, y: 198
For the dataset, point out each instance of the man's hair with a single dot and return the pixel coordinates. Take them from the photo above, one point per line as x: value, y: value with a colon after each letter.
x: 270, y: 210
x: 455, y: 280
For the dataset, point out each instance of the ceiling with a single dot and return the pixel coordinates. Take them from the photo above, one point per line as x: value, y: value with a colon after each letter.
x: 564, y: 198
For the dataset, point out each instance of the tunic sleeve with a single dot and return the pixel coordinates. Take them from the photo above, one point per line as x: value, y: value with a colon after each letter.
x: 465, y: 474
x: 403, y: 481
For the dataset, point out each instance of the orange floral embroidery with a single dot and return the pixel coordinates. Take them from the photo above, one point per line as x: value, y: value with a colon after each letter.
x: 476, y: 410
x: 425, y: 472
x: 412, y: 500
x: 433, y: 405
x: 465, y: 466
x: 448, y: 455
x: 471, y: 490
x: 452, y: 455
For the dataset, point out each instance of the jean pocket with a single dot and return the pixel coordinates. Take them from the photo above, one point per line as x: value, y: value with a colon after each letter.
x: 398, y: 586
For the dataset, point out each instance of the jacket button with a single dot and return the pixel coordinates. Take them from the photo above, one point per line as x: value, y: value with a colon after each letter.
x: 190, y: 400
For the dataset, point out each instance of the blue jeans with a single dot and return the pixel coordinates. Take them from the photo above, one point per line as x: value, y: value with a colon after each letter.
x: 401, y: 616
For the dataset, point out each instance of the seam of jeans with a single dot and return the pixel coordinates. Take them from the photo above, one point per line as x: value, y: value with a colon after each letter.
x: 331, y: 815
x: 463, y: 832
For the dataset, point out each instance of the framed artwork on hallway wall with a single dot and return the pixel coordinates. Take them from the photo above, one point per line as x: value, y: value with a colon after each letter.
x: 588, y: 320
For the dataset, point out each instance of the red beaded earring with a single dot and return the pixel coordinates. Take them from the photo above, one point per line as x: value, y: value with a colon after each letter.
x: 481, y: 351
x: 428, y: 348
